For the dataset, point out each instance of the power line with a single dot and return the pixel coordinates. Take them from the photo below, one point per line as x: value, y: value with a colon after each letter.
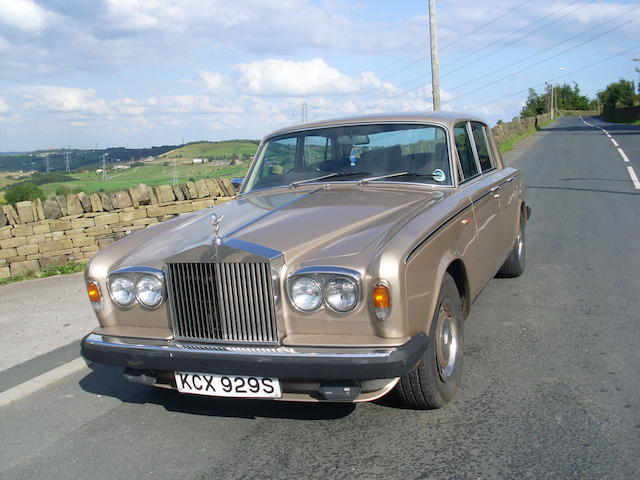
x: 485, y: 25
x: 422, y: 76
x: 425, y: 57
x: 540, y: 53
x: 509, y: 43
x: 573, y: 72
x: 540, y: 62
x: 519, y: 71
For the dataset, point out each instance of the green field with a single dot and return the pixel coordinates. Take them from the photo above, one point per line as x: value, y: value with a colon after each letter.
x: 151, y: 174
x: 160, y: 170
x: 212, y: 150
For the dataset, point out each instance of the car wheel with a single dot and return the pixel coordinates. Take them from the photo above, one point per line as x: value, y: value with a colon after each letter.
x: 436, y: 378
x: 513, y: 266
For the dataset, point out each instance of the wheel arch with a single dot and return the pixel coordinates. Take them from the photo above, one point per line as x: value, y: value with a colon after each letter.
x: 458, y: 271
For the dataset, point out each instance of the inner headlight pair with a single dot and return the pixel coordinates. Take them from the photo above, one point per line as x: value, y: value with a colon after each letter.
x: 147, y: 290
x: 339, y: 292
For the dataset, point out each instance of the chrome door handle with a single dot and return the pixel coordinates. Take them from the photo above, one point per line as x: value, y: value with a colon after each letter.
x: 497, y: 187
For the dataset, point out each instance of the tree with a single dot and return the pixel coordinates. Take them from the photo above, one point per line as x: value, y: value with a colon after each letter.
x: 570, y: 98
x: 618, y: 94
x: 536, y: 104
x: 566, y: 97
x: 62, y: 190
x: 23, y: 191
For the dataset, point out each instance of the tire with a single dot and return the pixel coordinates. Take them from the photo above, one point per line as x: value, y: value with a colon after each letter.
x: 513, y: 266
x: 436, y: 378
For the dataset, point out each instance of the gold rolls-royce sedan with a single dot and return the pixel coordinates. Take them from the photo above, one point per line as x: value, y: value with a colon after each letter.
x: 344, y: 269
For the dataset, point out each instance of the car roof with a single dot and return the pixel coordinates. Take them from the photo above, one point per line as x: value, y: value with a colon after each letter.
x: 446, y: 118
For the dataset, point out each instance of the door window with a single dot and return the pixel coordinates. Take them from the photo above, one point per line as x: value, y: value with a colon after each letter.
x: 465, y: 151
x: 480, y: 138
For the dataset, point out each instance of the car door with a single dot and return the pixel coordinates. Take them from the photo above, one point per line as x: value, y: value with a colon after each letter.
x: 506, y: 189
x: 482, y: 191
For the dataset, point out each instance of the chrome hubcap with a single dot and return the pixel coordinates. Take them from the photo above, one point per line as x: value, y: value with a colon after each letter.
x: 520, y: 243
x: 446, y: 344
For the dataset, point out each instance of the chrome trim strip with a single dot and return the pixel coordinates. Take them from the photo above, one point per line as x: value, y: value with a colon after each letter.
x: 328, y: 270
x: 281, y: 351
x: 141, y: 270
x: 433, y: 232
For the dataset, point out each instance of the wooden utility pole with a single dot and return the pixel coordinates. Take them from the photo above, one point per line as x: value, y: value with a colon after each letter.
x: 435, y: 68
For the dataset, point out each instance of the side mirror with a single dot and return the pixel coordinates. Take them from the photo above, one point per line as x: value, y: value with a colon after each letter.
x: 237, y: 182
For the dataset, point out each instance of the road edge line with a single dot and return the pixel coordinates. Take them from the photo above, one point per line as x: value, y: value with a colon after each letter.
x: 31, y: 386
x: 634, y: 177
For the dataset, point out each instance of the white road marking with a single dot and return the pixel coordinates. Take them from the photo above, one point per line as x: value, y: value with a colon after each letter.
x: 634, y: 177
x: 632, y: 173
x: 31, y: 386
x: 623, y: 155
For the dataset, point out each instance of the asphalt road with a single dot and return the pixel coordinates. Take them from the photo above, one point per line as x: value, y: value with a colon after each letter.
x: 551, y: 386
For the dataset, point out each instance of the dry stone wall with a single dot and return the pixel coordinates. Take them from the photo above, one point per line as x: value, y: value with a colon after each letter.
x: 36, y: 235
x: 624, y: 115
x: 505, y: 131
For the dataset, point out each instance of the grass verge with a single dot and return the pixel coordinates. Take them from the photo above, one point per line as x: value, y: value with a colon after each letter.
x: 510, y: 144
x: 71, y: 267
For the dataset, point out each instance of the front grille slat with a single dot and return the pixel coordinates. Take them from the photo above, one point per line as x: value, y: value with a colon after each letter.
x: 224, y: 302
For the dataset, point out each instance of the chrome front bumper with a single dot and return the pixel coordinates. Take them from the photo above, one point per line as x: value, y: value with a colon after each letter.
x: 281, y: 362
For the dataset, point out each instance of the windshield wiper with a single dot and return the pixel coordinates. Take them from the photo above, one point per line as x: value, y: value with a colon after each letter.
x: 331, y: 175
x: 416, y: 174
x: 435, y: 176
x: 301, y: 182
x: 381, y: 177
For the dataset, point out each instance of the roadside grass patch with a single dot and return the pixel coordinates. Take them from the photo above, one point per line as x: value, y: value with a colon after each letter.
x: 511, y: 143
x: 70, y: 267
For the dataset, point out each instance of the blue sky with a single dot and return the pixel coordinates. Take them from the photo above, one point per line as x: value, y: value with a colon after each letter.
x: 82, y: 73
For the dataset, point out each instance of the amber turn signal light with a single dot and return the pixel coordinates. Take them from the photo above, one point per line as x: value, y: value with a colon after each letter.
x: 381, y: 301
x: 93, y: 291
x: 381, y: 298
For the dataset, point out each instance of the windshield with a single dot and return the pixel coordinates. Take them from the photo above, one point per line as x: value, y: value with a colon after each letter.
x: 389, y: 153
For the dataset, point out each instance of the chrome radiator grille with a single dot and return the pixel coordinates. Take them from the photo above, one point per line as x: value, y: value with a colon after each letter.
x: 229, y: 302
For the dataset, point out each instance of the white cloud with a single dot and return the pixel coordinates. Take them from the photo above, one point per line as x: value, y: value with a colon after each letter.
x: 291, y: 78
x: 213, y: 81
x: 4, y: 106
x: 24, y: 15
x: 64, y: 99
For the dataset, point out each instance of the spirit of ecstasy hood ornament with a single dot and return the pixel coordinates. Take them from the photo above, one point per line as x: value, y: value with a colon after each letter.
x: 215, y: 221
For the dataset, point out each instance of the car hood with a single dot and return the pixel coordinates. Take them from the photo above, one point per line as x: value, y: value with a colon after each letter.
x: 306, y: 223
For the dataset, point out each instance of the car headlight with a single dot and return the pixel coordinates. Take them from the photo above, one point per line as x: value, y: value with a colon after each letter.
x: 149, y: 291
x: 341, y: 294
x: 306, y: 294
x: 122, y: 291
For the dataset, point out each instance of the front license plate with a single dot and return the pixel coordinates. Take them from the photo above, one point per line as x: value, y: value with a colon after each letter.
x: 228, y: 385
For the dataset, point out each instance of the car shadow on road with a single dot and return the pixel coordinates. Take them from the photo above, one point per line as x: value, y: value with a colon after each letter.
x: 593, y: 190
x: 108, y: 381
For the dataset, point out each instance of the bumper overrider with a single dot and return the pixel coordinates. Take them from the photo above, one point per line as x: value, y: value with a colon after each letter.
x: 282, y: 362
